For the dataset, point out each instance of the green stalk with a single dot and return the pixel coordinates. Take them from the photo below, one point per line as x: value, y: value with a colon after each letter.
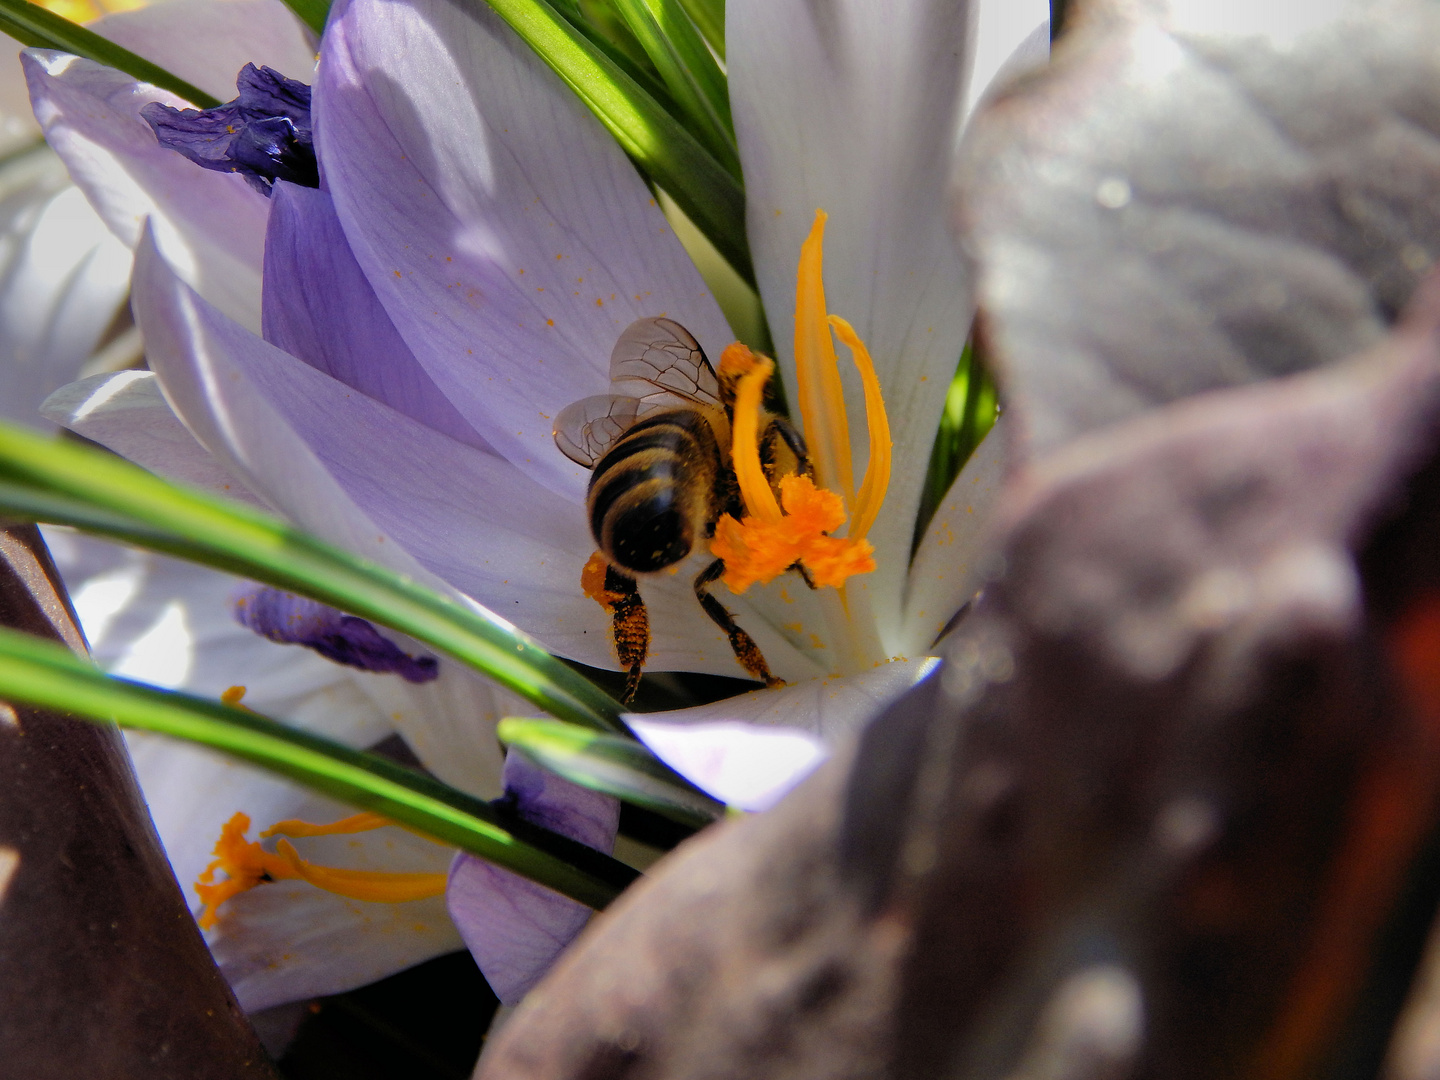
x: 33, y: 25
x: 709, y: 18
x: 688, y: 70
x: 47, y: 675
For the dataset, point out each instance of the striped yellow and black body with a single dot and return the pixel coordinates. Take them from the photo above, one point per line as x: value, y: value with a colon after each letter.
x: 659, y: 490
x: 659, y: 448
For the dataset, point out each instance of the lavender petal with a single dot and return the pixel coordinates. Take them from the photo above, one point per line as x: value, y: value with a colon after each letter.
x: 515, y: 928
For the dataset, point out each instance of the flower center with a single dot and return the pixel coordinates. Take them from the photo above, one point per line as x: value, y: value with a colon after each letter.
x: 775, y: 535
x: 246, y: 864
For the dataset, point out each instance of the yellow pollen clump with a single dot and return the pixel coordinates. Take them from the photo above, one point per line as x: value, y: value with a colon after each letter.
x: 246, y: 864
x: 774, y: 534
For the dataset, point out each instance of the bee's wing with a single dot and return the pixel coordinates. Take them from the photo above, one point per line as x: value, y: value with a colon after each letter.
x: 657, y: 361
x: 587, y: 429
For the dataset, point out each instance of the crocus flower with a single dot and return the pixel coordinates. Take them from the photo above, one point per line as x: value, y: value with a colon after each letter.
x: 477, y: 245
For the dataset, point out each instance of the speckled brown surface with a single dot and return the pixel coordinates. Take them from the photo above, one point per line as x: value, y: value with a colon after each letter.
x: 102, y: 970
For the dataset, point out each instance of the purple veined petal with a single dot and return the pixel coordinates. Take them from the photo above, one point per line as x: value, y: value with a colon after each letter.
x: 127, y: 413
x: 287, y: 619
x: 945, y: 572
x: 515, y: 928
x: 361, y: 475
x: 319, y: 307
x: 206, y: 42
x: 62, y: 278
x: 742, y: 765
x: 828, y: 709
x: 210, y: 226
x: 503, y: 229
x: 855, y: 108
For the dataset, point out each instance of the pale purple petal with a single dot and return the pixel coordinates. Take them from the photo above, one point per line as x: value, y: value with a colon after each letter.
x: 855, y: 108
x: 361, y: 475
x: 828, y: 709
x: 513, y: 927
x: 744, y: 766
x: 319, y: 307
x: 126, y: 412
x: 503, y: 229
x: 287, y: 619
x: 206, y: 42
x: 945, y: 572
x: 209, y: 225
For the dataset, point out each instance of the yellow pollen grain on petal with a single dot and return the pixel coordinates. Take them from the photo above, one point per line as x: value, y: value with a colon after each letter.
x: 377, y: 886
x: 877, y: 472
x: 759, y: 500
x: 820, y: 392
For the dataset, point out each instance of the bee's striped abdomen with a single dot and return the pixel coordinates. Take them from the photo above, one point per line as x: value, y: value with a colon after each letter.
x: 650, y: 495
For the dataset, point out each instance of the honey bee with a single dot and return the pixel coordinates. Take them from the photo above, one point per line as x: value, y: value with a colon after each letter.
x: 659, y: 448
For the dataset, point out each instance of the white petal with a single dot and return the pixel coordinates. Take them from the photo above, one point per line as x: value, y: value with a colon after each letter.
x: 855, y: 107
x: 168, y: 622
x: 945, y: 572
x: 504, y: 230
x: 829, y: 708
x: 744, y: 766
x: 62, y: 277
x: 210, y: 225
x: 233, y: 32
x: 127, y: 413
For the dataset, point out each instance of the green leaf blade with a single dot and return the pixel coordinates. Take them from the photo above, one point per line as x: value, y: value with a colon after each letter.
x: 63, y: 483
x: 621, y: 767
x: 47, y: 675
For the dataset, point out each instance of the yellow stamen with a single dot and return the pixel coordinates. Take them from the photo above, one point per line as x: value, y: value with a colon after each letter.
x: 235, y: 697
x: 356, y: 823
x: 377, y: 886
x: 754, y: 485
x: 769, y: 540
x: 820, y: 392
x: 246, y: 864
x: 877, y: 471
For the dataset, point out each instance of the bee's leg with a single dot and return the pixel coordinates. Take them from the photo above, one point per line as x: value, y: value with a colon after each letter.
x: 745, y: 649
x: 799, y: 568
x: 629, y: 626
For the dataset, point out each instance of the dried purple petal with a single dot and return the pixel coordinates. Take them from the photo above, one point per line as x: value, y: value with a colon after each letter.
x: 294, y: 620
x: 264, y: 134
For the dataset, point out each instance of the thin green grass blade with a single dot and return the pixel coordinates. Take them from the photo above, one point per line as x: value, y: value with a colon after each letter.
x: 709, y: 18
x: 620, y: 767
x: 63, y: 483
x: 711, y: 195
x: 688, y: 70
x: 32, y: 25
x: 48, y: 675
